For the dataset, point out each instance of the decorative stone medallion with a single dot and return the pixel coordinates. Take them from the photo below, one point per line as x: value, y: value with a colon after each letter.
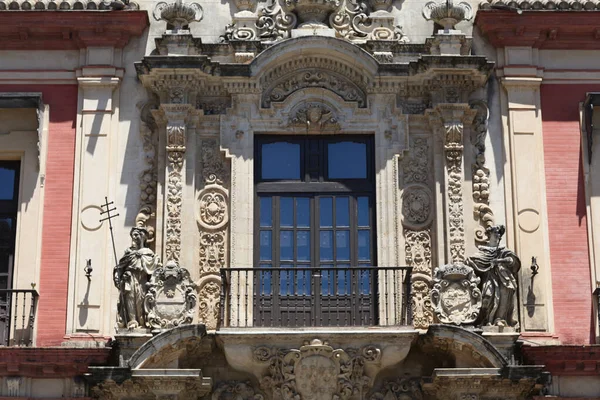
x: 455, y: 296
x: 416, y: 206
x: 171, y: 298
x: 212, y: 205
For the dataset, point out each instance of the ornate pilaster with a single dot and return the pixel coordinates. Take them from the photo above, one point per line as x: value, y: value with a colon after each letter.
x: 213, y: 223
x: 449, y: 121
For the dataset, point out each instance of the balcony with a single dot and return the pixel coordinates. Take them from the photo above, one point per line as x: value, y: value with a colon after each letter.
x: 17, y: 316
x: 315, y: 297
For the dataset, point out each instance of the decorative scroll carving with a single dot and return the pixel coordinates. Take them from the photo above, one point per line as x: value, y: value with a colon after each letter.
x: 422, y: 309
x: 353, y: 22
x: 213, y: 220
x: 455, y: 296
x: 314, y: 116
x: 210, y: 303
x: 316, y: 371
x: 418, y: 250
x: 314, y: 77
x: 416, y: 166
x: 416, y: 206
x: 235, y: 391
x: 497, y: 266
x: 171, y: 297
x: 456, y: 230
x: 481, y: 174
x: 399, y: 389
x: 174, y: 187
x: 276, y: 21
x: 212, y: 251
x: 131, y: 276
x: 233, y: 32
x: 418, y: 256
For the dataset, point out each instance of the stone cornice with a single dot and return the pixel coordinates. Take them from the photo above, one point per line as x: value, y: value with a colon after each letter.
x: 539, y: 29
x: 565, y: 360
x: 61, y: 5
x: 58, y: 362
x: 41, y: 30
x: 546, y: 5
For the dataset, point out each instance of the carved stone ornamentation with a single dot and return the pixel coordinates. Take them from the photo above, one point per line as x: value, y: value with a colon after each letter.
x: 481, y: 174
x: 497, y: 266
x: 314, y: 77
x: 213, y: 208
x: 316, y: 371
x: 212, y: 252
x: 416, y: 165
x: 422, y: 308
x: 418, y: 250
x: 446, y: 13
x: 235, y: 391
x: 209, y: 306
x: 314, y: 117
x: 171, y: 297
x: 455, y: 296
x: 13, y: 384
x: 131, y: 276
x: 174, y: 197
x: 456, y: 230
x: 178, y: 14
x: 399, y: 389
x: 416, y: 206
x: 149, y: 176
x: 276, y: 21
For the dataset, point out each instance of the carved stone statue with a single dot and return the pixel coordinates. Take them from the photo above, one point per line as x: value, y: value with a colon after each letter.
x: 130, y: 277
x: 497, y: 267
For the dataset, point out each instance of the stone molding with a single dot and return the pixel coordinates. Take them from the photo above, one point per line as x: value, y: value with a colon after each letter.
x: 544, y: 5
x: 62, y: 5
x: 79, y: 29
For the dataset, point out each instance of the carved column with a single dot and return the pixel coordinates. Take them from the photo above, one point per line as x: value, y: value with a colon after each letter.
x: 449, y: 121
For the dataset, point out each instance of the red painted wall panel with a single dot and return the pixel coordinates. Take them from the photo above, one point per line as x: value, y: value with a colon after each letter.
x: 58, y: 202
x: 567, y: 219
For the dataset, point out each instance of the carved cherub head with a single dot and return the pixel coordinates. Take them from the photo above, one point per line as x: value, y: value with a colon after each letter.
x: 495, y: 233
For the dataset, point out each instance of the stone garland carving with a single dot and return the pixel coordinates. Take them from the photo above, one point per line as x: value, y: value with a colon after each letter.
x: 213, y: 220
x: 422, y: 308
x: 173, y: 240
x: 481, y: 174
x: 455, y: 296
x: 453, y: 147
x: 171, y: 297
x: 399, y: 389
x: 131, y: 276
x: 418, y: 256
x: 418, y: 250
x: 314, y: 77
x: 316, y: 371
x: 235, y: 391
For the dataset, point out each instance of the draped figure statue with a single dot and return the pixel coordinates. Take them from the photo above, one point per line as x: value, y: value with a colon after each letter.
x: 497, y: 267
x: 131, y: 276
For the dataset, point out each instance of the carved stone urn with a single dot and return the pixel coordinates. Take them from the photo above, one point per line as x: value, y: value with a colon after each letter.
x: 178, y: 14
x: 447, y: 14
x: 313, y: 13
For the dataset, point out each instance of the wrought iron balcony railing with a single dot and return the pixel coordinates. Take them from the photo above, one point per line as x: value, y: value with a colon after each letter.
x: 17, y: 316
x: 315, y: 297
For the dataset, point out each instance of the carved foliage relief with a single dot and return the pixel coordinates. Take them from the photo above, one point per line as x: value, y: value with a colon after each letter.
x: 316, y: 371
x: 213, y: 219
x: 454, y: 151
x: 175, y: 153
x: 417, y: 212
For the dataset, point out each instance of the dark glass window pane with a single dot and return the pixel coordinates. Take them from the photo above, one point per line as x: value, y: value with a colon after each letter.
x: 326, y: 212
x: 266, y: 217
x: 302, y: 212
x: 364, y: 245
x: 342, y: 245
x: 342, y: 213
x: 7, y: 183
x: 266, y: 245
x: 326, y: 245
x: 286, y: 245
x: 280, y: 160
x: 3, y: 282
x: 303, y: 245
x: 6, y: 232
x: 347, y: 160
x: 265, y: 280
x: 363, y: 211
x: 4, y: 257
x: 286, y: 212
